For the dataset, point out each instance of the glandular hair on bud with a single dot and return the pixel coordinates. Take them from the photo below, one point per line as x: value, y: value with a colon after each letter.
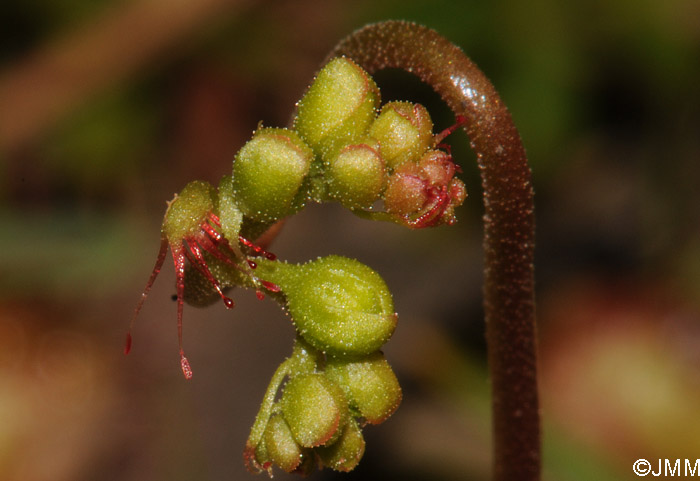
x: 338, y: 108
x: 268, y: 172
x: 356, y: 176
x: 404, y: 131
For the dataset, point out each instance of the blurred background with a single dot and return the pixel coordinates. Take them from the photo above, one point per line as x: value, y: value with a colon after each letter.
x: 108, y: 108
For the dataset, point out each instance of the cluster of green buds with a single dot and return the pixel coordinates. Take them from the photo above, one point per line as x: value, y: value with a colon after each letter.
x: 381, y: 164
x: 363, y: 157
x: 336, y: 379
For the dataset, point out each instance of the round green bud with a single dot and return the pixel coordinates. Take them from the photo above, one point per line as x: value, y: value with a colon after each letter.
x: 356, y: 175
x: 404, y: 131
x: 369, y: 384
x: 315, y: 409
x: 278, y: 445
x: 188, y: 210
x: 346, y: 452
x: 338, y: 108
x: 339, y: 305
x: 268, y: 172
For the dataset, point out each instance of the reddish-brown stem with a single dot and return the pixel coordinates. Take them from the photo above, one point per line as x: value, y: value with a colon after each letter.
x: 508, y: 219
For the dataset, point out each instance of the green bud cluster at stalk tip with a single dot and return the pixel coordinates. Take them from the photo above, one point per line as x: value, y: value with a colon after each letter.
x: 381, y: 164
x: 318, y: 419
x: 359, y: 152
x: 337, y: 379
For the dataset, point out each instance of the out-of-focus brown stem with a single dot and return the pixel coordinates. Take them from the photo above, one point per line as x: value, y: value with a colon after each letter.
x: 508, y: 219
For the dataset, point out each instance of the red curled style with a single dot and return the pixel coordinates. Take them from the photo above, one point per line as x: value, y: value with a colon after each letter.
x: 508, y: 218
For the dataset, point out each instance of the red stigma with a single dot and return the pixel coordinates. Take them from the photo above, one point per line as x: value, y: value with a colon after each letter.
x: 186, y: 368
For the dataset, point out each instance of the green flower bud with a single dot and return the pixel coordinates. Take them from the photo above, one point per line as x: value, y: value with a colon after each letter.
x: 404, y: 131
x: 268, y: 172
x: 339, y: 305
x: 338, y: 108
x: 356, y: 175
x: 188, y: 210
x: 369, y: 384
x: 315, y: 409
x: 271, y: 438
x: 346, y: 452
x: 279, y: 445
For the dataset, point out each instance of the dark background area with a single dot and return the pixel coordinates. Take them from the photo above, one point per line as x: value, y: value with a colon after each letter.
x: 108, y: 108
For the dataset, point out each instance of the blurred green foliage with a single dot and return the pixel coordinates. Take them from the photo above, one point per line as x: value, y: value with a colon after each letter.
x: 102, y: 144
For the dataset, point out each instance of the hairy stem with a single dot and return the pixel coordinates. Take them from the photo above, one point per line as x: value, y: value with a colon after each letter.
x: 508, y: 219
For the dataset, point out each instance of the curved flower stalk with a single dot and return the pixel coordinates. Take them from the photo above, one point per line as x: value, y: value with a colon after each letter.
x: 382, y: 164
x: 508, y: 220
